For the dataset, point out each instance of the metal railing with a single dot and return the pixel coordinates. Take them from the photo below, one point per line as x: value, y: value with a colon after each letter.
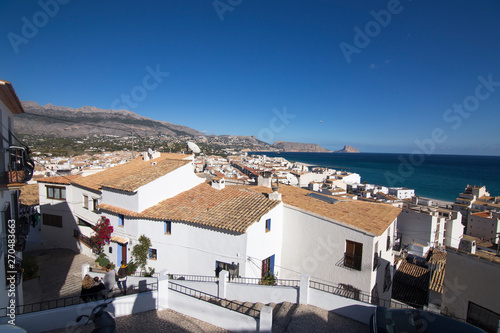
x: 356, y: 294
x: 230, y: 305
x: 278, y: 282
x: 69, y: 301
x: 197, y: 278
x: 350, y: 261
x: 82, y: 238
x: 20, y: 165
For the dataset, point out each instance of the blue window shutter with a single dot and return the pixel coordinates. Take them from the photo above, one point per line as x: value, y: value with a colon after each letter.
x: 165, y: 227
x: 272, y: 264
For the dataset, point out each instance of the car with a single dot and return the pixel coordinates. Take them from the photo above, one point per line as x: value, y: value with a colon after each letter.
x: 386, y: 320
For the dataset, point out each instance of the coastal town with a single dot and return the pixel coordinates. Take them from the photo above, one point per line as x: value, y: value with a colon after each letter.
x: 241, y: 241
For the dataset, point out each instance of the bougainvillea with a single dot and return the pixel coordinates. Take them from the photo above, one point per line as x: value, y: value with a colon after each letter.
x: 102, y: 234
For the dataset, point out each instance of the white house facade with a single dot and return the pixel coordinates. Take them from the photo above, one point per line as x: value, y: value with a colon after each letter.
x: 16, y: 168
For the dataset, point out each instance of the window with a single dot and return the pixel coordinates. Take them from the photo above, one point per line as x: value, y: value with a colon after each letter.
x: 268, y: 225
x: 121, y: 220
x: 375, y: 257
x: 268, y: 265
x: 482, y: 317
x: 52, y: 220
x: 55, y: 192
x: 167, y: 226
x: 353, y: 254
x: 95, y: 204
x: 85, y: 202
x: 388, y: 242
x: 152, y: 254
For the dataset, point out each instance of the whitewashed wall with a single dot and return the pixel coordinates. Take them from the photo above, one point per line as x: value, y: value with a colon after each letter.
x: 313, y: 245
x: 55, y: 237
x: 66, y: 317
x: 262, y: 244
x: 416, y: 227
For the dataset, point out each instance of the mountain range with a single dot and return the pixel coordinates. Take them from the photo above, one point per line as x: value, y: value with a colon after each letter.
x: 61, y: 121
x: 65, y: 122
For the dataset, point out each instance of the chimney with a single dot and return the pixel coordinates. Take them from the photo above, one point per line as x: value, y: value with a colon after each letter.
x: 265, y: 179
x: 275, y: 195
x: 218, y: 183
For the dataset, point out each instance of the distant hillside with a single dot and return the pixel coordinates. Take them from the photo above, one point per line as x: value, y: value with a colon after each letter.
x: 299, y: 147
x: 347, y: 149
x: 63, y: 121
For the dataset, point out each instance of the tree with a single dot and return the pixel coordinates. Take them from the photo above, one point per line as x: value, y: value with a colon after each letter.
x: 102, y: 235
x: 140, y: 252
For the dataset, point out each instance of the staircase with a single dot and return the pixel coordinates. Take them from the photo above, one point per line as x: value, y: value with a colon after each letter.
x: 290, y: 317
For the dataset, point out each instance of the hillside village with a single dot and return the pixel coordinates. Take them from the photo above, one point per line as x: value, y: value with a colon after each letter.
x: 232, y: 237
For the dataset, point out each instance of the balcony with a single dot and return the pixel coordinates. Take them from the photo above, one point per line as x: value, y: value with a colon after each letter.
x: 20, y: 166
x: 350, y: 261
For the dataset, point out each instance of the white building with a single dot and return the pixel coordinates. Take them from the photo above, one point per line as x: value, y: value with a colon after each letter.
x: 471, y: 288
x: 401, y: 192
x: 485, y: 225
x: 339, y: 241
x: 16, y: 168
x: 196, y: 228
x: 429, y: 226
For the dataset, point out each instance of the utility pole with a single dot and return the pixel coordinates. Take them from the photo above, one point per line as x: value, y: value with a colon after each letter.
x: 132, y: 133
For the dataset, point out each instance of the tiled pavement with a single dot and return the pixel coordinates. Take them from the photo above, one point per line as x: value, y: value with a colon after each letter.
x: 153, y: 321
x: 60, y: 275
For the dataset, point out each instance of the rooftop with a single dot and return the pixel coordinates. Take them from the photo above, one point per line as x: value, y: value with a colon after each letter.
x: 29, y: 195
x: 233, y: 209
x: 374, y: 218
x: 437, y: 258
x: 63, y: 180
x: 134, y: 174
x: 9, y: 97
x: 410, y: 283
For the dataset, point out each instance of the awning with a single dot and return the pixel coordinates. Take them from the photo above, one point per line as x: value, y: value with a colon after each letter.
x: 119, y: 240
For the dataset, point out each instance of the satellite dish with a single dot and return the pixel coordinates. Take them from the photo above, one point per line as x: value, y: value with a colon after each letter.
x: 150, y: 151
x: 194, y: 147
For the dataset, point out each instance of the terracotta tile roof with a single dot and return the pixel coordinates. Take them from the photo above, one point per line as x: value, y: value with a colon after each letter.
x: 410, y: 284
x: 134, y: 174
x: 438, y: 259
x: 29, y: 195
x: 63, y: 180
x: 231, y: 208
x: 374, y: 218
x: 485, y: 214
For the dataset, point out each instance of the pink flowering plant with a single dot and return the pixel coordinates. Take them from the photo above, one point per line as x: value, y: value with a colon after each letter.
x: 102, y: 234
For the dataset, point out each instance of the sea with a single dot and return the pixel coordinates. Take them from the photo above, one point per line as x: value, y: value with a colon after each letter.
x: 441, y: 177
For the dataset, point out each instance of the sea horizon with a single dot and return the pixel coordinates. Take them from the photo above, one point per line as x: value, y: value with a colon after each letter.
x: 437, y: 176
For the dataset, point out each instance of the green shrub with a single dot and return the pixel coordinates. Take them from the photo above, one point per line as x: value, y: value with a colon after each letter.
x: 30, y: 267
x: 102, y: 260
x: 149, y: 272
x: 268, y: 279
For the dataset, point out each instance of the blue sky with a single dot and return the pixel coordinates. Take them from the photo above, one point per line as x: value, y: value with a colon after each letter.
x: 234, y: 66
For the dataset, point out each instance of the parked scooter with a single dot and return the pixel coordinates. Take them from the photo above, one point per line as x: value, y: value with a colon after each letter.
x: 103, y: 320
